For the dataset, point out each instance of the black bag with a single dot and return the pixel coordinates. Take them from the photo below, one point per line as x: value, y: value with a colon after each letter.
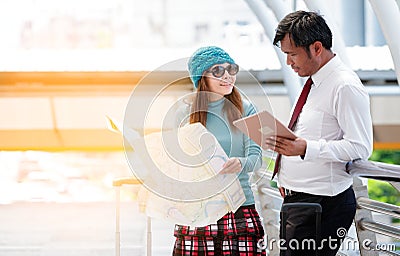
x: 318, y: 211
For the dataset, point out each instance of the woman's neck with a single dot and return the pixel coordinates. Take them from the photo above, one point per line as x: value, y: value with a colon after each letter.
x: 215, y: 97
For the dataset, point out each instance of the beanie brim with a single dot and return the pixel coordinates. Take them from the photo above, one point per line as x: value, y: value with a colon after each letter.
x: 203, y: 59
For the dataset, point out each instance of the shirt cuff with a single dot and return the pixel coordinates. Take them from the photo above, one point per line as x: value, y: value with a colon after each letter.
x: 312, y: 151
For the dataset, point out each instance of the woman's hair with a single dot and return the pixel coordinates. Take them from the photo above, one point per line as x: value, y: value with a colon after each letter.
x: 198, y: 113
x: 304, y: 28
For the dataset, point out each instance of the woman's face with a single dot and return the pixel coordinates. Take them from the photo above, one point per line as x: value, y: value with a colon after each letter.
x: 220, y: 79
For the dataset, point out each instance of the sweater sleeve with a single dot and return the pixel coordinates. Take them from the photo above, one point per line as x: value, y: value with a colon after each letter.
x: 252, y: 158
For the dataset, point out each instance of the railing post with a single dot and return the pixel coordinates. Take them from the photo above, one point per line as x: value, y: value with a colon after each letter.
x: 117, y: 221
x: 117, y: 184
x: 270, y: 202
x: 361, y: 190
x: 148, y: 237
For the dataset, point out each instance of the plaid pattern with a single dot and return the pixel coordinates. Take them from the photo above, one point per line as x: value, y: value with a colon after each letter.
x: 234, y: 234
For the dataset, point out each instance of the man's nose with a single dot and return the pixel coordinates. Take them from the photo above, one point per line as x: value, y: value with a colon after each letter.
x: 288, y: 60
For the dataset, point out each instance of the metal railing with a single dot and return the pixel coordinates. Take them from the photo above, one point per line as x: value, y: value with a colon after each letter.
x: 269, y: 203
x: 380, y: 207
x: 117, y: 184
x: 366, y: 228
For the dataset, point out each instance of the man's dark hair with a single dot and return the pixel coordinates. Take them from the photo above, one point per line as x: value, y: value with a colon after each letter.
x: 304, y: 28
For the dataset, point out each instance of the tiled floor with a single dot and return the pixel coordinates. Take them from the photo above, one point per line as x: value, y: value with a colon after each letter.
x: 84, y: 229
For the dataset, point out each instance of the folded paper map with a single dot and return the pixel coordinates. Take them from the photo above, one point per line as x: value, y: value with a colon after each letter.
x: 179, y: 171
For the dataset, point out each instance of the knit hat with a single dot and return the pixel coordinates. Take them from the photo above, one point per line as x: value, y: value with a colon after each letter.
x: 203, y: 59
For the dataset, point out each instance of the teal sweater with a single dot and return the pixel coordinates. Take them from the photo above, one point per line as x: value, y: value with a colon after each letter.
x: 235, y: 143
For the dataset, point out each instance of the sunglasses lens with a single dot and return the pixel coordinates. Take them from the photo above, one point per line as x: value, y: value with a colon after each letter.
x: 218, y: 71
x: 232, y: 69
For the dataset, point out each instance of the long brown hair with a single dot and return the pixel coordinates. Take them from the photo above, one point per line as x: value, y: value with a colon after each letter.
x: 199, y: 108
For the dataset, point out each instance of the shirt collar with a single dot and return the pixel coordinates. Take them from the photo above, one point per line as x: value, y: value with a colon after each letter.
x: 325, y: 70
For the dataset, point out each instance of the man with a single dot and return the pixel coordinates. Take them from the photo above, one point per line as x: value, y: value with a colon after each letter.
x: 333, y: 127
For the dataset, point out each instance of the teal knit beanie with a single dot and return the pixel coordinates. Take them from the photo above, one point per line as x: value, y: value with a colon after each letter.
x: 204, y: 58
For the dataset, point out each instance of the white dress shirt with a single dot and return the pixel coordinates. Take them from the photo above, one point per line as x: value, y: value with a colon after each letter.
x: 336, y: 123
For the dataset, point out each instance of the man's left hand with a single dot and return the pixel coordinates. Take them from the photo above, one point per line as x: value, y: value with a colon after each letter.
x: 287, y: 147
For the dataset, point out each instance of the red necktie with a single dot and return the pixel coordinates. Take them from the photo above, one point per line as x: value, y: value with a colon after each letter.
x: 296, y: 112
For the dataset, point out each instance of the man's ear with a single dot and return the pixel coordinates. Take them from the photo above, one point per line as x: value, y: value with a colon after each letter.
x: 317, y: 48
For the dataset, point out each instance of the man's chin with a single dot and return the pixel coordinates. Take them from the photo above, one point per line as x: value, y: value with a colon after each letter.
x: 302, y: 75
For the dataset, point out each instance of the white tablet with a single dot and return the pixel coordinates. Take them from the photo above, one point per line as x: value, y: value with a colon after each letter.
x: 262, y: 125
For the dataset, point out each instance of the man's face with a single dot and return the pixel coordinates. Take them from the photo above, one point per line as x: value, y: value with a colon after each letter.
x: 302, y: 63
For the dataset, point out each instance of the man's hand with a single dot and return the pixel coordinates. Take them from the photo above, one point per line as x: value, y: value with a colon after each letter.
x: 286, y: 146
x: 233, y: 165
x: 282, y: 191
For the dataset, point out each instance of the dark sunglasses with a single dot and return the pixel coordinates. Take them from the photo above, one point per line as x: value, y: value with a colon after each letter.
x: 219, y: 71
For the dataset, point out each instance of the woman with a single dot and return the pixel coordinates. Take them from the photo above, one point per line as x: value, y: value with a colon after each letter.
x: 216, y: 105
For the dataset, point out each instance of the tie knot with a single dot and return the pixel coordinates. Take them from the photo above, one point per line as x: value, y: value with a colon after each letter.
x: 309, y: 82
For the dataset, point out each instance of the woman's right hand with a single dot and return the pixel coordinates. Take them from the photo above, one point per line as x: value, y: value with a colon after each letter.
x: 232, y: 165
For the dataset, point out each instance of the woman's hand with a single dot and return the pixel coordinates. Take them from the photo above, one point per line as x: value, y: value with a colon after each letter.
x: 233, y: 165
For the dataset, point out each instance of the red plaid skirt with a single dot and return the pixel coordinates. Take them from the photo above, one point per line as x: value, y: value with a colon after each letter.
x: 238, y: 233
